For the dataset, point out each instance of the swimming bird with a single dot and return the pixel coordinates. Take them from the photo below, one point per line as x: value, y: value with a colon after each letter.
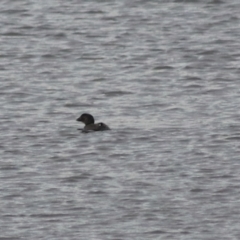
x: 88, y: 120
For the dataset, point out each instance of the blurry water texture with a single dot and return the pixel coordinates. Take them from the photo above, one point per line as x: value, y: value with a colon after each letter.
x: 164, y: 75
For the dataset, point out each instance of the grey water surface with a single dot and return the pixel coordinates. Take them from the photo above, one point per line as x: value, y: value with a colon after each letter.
x: 164, y: 75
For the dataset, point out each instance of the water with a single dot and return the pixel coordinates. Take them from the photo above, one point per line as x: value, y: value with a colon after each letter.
x: 164, y: 75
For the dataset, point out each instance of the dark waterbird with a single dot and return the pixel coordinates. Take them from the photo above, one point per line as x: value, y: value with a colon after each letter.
x: 88, y: 120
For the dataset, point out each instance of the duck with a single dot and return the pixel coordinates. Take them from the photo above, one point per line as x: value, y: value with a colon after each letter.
x: 88, y: 120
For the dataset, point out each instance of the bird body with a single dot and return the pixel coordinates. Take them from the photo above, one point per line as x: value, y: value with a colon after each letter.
x: 88, y: 120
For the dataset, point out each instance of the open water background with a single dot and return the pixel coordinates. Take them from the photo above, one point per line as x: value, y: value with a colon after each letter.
x: 164, y: 75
